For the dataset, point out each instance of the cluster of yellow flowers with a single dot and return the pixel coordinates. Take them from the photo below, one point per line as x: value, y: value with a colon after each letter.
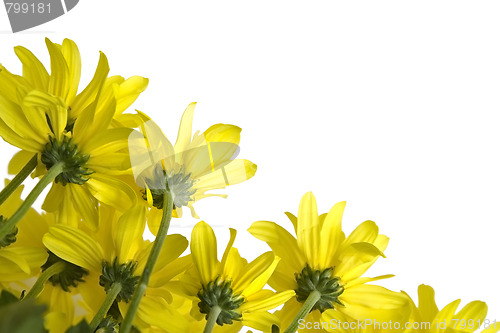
x: 82, y: 264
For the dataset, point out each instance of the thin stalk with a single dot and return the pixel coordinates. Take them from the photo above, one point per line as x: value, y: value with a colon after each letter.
x: 148, y: 269
x: 18, y: 179
x: 212, y: 318
x: 51, y: 174
x: 111, y: 294
x: 37, y: 288
x: 311, y: 300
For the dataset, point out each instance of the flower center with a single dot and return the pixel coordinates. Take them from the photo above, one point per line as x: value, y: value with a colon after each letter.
x: 323, y: 281
x: 10, y: 237
x: 179, y: 183
x: 71, y: 275
x: 121, y: 273
x: 74, y: 171
x: 219, y: 293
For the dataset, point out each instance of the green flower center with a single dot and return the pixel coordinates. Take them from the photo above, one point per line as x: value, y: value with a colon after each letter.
x: 219, y: 293
x: 10, y: 237
x: 323, y: 281
x: 179, y: 183
x: 121, y: 273
x: 74, y: 171
x: 70, y: 277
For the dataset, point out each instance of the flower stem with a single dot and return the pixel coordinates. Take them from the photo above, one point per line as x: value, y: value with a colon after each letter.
x: 18, y: 179
x: 148, y: 269
x: 37, y: 288
x: 311, y: 300
x: 212, y: 318
x: 51, y: 174
x: 112, y: 292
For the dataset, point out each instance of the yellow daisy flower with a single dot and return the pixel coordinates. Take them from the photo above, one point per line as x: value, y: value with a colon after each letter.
x: 63, y: 82
x: 21, y: 251
x: 26, y: 258
x: 193, y: 166
x: 114, y: 257
x: 79, y: 136
x: 325, y: 268
x: 427, y: 318
x: 229, y: 292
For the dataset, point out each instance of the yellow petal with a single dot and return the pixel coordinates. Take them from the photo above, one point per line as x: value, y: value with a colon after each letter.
x: 53, y: 106
x: 75, y: 246
x: 85, y: 204
x: 223, y: 133
x: 156, y: 312
x: 59, y: 82
x: 232, y: 237
x: 128, y: 92
x: 10, y: 254
x: 308, y: 229
x: 256, y: 274
x: 292, y: 219
x: 174, y: 246
x: 164, y: 273
x: 89, y: 94
x: 129, y: 231
x: 331, y: 235
x: 111, y: 191
x: 107, y: 141
x: 281, y: 242
x: 10, y: 84
x: 268, y: 302
x: 18, y: 161
x: 235, y: 172
x: 33, y: 70
x: 365, y: 232
x: 471, y: 316
x: 185, y: 129
x: 426, y: 303
x: 261, y: 321
x: 14, y: 118
x: 233, y: 267
x: 444, y: 316
x: 72, y: 55
x: 374, y: 302
x: 204, y: 251
x: 14, y: 139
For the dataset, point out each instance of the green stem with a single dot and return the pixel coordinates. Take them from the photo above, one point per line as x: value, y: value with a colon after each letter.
x: 18, y: 179
x: 51, y: 174
x: 37, y: 288
x: 111, y: 294
x: 311, y: 300
x: 148, y: 269
x: 212, y: 318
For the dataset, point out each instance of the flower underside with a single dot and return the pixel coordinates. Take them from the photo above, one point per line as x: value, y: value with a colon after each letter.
x: 219, y: 293
x: 323, y: 281
x: 178, y: 183
x: 74, y: 171
x: 70, y: 277
x: 119, y: 273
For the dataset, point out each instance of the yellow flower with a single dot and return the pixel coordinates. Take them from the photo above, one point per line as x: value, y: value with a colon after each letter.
x: 44, y: 115
x: 116, y: 254
x: 321, y: 260
x: 23, y: 260
x: 231, y: 284
x: 193, y: 166
x: 427, y: 318
x: 21, y: 251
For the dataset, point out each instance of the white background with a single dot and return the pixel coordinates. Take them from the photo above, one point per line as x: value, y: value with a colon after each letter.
x: 390, y: 105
